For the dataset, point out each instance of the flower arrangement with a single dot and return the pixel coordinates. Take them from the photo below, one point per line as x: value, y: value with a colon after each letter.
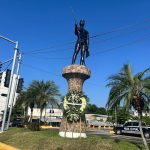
x: 74, y: 105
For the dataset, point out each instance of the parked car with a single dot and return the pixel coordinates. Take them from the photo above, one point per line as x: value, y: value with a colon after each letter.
x: 132, y: 128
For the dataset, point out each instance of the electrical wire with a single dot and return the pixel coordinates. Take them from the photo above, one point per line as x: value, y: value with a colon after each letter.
x: 47, y: 72
x: 120, y: 28
x: 50, y: 58
x: 97, y: 42
x: 126, y: 33
x: 106, y: 50
x: 94, y: 36
x: 39, y: 69
x: 7, y: 66
x: 121, y: 46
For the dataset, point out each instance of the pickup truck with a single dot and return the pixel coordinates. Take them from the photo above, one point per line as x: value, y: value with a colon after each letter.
x: 132, y: 127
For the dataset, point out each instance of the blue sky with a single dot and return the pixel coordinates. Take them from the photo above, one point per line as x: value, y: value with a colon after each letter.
x: 48, y: 26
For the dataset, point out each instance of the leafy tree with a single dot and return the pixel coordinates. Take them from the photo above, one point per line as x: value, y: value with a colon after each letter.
x: 93, y: 109
x: 26, y: 99
x: 145, y: 119
x: 121, y: 116
x: 44, y: 93
x: 130, y: 91
x: 40, y: 93
x: 102, y: 111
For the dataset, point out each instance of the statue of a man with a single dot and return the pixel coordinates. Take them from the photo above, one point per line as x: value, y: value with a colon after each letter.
x: 82, y: 42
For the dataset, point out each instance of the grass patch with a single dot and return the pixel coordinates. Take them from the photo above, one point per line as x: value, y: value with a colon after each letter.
x: 49, y: 140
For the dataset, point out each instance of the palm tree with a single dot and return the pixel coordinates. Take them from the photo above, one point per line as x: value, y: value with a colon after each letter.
x: 132, y: 91
x: 38, y: 93
x: 20, y: 103
x: 45, y: 93
x: 25, y: 100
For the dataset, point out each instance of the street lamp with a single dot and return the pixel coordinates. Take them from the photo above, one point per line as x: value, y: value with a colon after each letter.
x: 11, y: 79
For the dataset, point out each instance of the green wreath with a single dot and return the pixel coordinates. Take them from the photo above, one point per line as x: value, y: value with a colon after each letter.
x: 74, y: 105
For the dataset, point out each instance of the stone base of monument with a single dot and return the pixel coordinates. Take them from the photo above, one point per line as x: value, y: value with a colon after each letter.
x: 72, y: 130
x: 72, y: 135
x: 75, y: 75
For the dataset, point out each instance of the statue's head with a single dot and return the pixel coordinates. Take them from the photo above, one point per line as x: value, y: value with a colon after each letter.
x: 82, y: 22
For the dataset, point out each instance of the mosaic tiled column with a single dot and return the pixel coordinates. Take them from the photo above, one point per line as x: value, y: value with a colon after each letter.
x: 75, y: 76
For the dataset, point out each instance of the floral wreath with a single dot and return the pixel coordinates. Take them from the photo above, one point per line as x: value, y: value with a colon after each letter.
x: 74, y: 105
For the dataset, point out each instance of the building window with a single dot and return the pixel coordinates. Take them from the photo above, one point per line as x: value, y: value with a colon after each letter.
x: 5, y: 95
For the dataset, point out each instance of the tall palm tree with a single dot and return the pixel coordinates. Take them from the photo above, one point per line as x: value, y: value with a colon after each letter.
x: 25, y: 100
x: 20, y: 102
x: 131, y: 91
x: 44, y: 93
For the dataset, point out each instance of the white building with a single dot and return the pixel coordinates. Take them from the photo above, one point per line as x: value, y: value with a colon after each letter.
x: 4, y: 91
x: 98, y: 117
x: 135, y: 113
x: 51, y: 116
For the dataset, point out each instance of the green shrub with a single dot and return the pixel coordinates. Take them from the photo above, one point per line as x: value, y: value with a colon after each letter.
x: 34, y: 126
x: 25, y: 120
x: 146, y: 119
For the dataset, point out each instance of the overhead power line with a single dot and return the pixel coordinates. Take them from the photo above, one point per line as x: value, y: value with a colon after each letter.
x: 48, y: 72
x: 126, y: 33
x: 120, y: 28
x: 39, y: 69
x: 103, y: 51
x: 96, y: 42
x: 94, y: 36
x: 123, y: 45
x: 7, y: 66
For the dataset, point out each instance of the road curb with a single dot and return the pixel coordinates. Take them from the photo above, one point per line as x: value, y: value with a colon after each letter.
x: 111, y: 132
x: 49, y: 127
x: 7, y: 147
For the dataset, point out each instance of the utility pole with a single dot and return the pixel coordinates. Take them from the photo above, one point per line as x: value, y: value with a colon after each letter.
x: 14, y: 91
x: 11, y: 80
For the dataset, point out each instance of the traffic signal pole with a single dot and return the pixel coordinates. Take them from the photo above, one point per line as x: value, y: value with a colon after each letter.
x: 12, y: 98
x: 10, y: 84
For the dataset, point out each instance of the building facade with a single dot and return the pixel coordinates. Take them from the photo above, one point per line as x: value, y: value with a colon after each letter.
x: 4, y: 92
x: 51, y: 116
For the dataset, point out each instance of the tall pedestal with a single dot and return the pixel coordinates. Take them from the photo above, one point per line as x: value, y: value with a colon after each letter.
x: 75, y: 76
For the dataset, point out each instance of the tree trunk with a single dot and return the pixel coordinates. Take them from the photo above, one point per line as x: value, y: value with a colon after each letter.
x: 24, y: 112
x: 116, y: 115
x: 31, y: 115
x: 45, y: 116
x: 142, y: 135
x: 40, y: 116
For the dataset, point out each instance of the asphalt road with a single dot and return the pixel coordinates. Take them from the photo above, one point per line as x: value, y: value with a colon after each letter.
x: 107, y: 134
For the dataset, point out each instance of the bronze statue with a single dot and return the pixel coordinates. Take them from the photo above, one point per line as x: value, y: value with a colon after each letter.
x: 82, y: 42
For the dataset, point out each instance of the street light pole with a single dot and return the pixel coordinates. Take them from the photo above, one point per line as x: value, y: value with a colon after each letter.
x: 14, y: 91
x: 11, y: 79
x: 8, y: 40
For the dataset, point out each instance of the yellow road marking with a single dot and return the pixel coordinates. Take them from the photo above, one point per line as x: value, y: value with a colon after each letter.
x: 7, y: 147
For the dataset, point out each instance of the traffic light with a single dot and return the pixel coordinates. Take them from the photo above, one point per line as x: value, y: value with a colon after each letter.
x: 0, y: 65
x: 1, y: 76
x: 7, y: 78
x: 20, y: 85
